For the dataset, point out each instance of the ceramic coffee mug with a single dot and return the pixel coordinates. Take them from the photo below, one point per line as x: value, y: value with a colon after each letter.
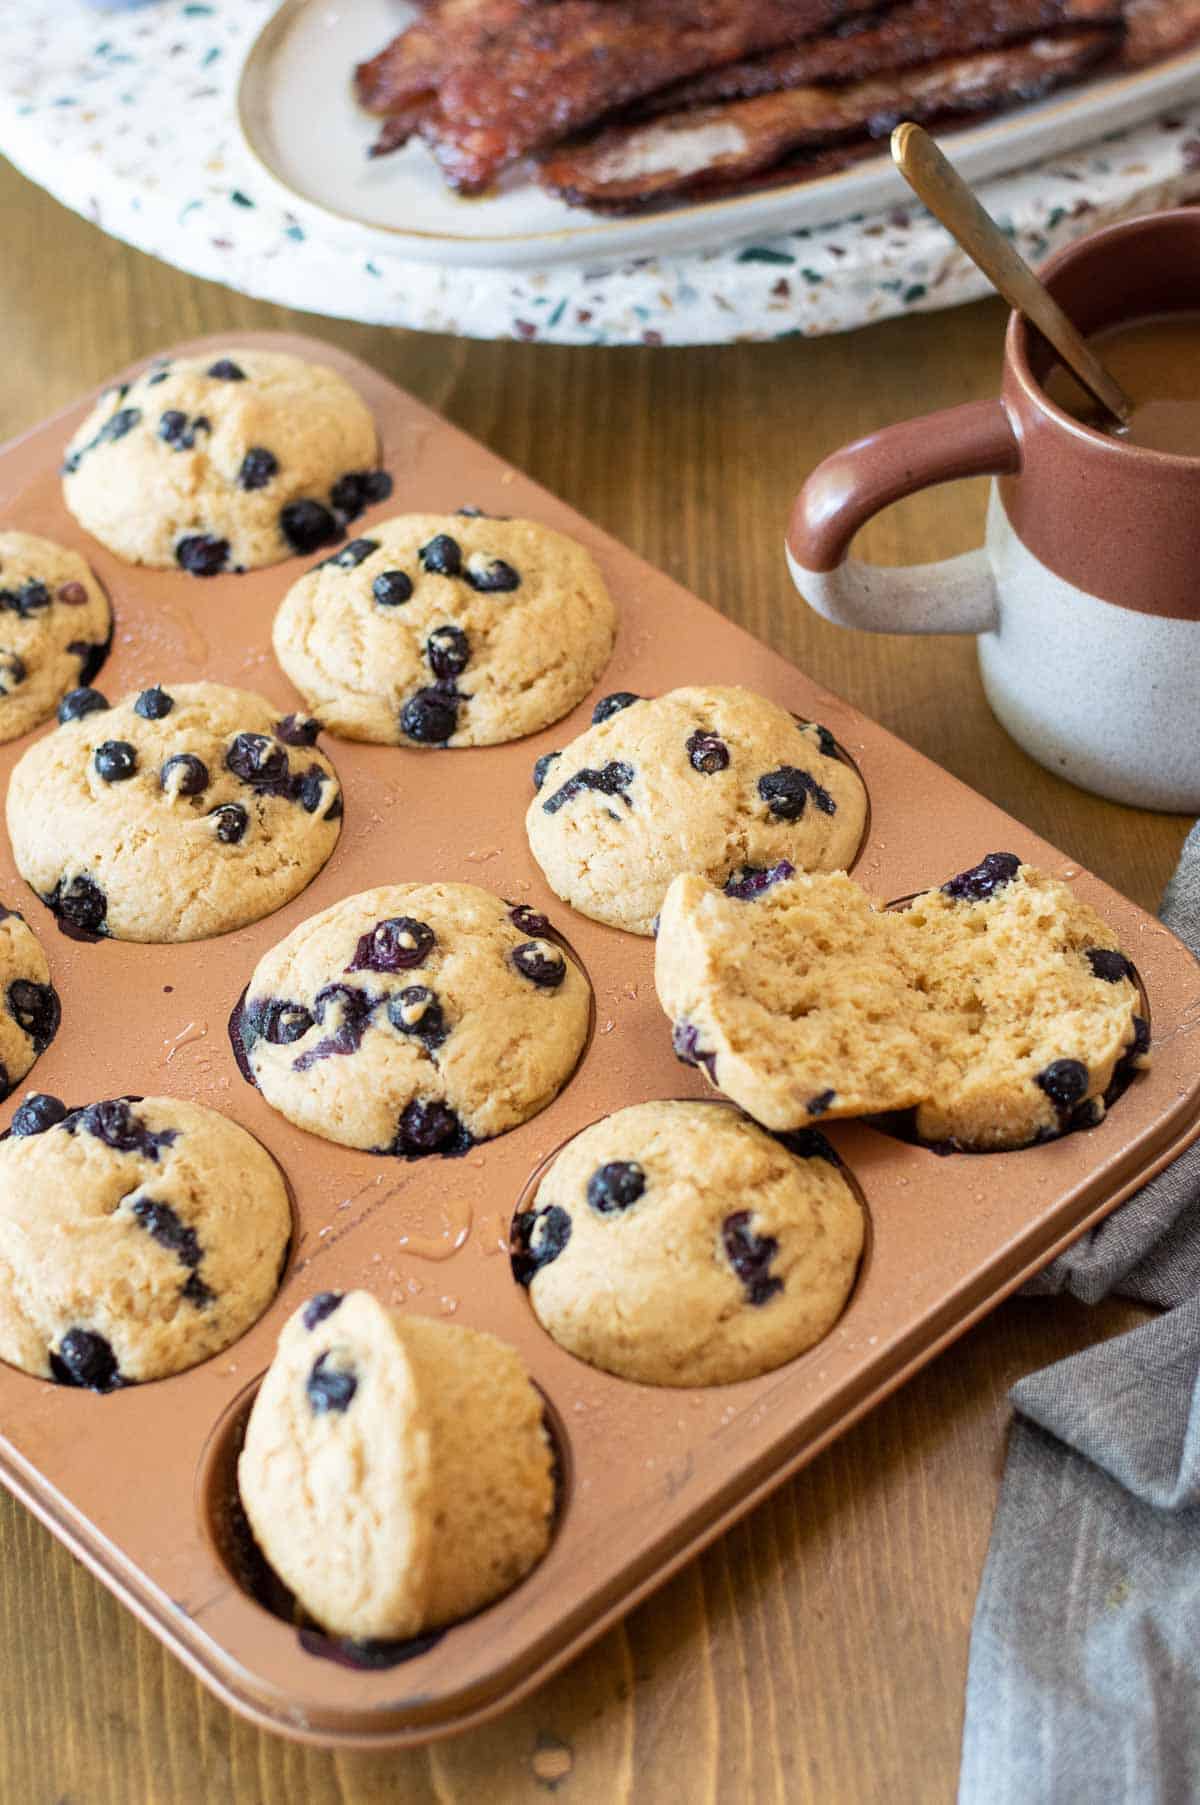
x: 1086, y: 596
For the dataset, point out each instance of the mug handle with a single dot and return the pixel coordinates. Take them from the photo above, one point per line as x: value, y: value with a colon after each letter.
x: 843, y: 493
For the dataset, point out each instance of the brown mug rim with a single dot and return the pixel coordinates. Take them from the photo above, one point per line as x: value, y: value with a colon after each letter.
x: 1018, y: 333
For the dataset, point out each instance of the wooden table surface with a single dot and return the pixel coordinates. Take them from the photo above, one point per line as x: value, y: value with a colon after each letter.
x: 817, y: 1652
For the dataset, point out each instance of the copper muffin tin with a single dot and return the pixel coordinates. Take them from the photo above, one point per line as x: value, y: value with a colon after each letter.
x: 137, y: 1483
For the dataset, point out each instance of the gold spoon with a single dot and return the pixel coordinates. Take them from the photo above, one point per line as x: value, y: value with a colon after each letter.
x: 936, y: 182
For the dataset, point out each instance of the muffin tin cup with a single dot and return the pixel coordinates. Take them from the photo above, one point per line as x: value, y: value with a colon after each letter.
x: 129, y: 1481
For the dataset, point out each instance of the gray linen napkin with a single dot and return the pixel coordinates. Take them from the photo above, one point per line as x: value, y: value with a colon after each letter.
x: 1084, y: 1678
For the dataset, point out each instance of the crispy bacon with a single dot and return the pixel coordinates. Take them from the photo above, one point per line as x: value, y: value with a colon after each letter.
x: 918, y: 31
x: 486, y: 81
x: 1158, y: 29
x: 722, y: 146
x: 401, y: 83
x: 804, y: 166
x: 400, y: 126
x: 412, y: 63
x: 562, y: 67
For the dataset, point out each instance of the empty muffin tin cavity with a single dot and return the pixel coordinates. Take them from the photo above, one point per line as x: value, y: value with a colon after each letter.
x: 225, y: 1526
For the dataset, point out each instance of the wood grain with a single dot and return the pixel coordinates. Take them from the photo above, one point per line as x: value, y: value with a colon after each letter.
x: 817, y: 1652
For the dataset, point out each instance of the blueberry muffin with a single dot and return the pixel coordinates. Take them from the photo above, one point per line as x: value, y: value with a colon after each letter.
x: 55, y: 625
x: 30, y: 1016
x: 998, y: 1008
x: 777, y: 994
x: 447, y: 630
x: 396, y: 1472
x: 680, y: 1244
x: 414, y: 1019
x: 711, y: 780
x: 227, y: 462
x: 177, y: 814
x: 137, y: 1237
x: 1035, y: 1008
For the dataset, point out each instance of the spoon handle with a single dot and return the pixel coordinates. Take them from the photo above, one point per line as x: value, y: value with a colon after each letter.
x: 937, y: 183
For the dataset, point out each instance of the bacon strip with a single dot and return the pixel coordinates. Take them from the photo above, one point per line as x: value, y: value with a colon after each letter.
x: 635, y: 166
x: 412, y: 63
x: 562, y: 67
x: 919, y: 31
x: 400, y: 126
x: 804, y: 166
x: 401, y: 83
x: 1158, y: 29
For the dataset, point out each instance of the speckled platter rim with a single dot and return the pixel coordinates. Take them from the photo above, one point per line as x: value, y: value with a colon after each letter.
x: 653, y: 1475
x: 129, y: 119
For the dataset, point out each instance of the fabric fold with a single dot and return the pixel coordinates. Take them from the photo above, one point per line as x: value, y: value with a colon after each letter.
x: 1084, y: 1674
